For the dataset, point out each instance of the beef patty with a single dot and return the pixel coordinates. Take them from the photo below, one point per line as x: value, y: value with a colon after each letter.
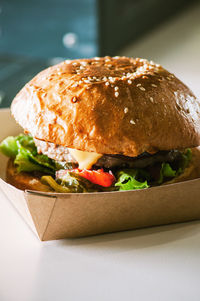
x: 61, y: 153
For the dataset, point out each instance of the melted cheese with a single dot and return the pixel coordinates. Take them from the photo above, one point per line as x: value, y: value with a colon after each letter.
x: 85, y: 159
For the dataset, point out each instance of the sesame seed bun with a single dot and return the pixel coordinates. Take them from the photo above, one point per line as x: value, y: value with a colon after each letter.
x: 109, y: 105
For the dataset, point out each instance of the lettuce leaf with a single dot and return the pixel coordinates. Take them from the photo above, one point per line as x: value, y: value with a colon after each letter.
x: 130, y: 179
x: 24, y: 152
x: 9, y: 147
x: 126, y: 180
x: 166, y: 171
x: 186, y: 158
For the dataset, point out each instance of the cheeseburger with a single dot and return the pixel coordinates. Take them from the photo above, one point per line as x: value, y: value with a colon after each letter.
x: 103, y: 124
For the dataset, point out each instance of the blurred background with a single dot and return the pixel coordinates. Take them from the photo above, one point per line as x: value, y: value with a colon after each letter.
x: 35, y: 34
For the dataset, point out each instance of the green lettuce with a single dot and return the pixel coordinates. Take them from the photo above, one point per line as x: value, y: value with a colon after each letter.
x: 128, y: 180
x: 166, y: 171
x: 24, y: 152
x: 185, y: 160
x: 9, y: 147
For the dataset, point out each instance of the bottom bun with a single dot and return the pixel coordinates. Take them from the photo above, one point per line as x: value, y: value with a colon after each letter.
x: 28, y: 181
x: 24, y: 180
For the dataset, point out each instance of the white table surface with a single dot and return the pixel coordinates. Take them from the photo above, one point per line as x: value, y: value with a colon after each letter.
x: 161, y: 263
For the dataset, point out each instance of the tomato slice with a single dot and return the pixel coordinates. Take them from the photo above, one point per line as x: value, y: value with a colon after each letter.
x: 100, y: 177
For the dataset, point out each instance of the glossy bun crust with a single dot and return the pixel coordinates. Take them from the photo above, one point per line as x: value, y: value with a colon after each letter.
x: 109, y: 105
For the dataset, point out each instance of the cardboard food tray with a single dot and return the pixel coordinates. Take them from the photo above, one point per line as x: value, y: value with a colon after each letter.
x: 64, y: 215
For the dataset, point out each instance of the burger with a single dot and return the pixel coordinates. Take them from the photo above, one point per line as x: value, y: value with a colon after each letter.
x: 103, y: 124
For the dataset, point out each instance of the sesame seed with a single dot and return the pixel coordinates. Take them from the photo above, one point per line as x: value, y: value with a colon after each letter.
x: 80, y: 82
x: 75, y: 85
x: 125, y: 110
x: 74, y: 64
x: 109, y: 65
x: 116, y: 88
x: 138, y: 85
x: 132, y: 121
x: 97, y: 58
x: 129, y: 81
x: 116, y: 57
x: 87, y: 81
x: 142, y: 88
x: 104, y: 78
x: 169, y: 78
x: 81, y: 67
x: 74, y: 99
x: 116, y: 94
x: 153, y: 85
x: 107, y: 83
x: 151, y: 99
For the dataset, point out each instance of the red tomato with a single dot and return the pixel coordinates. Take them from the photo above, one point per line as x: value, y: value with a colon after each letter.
x: 100, y: 177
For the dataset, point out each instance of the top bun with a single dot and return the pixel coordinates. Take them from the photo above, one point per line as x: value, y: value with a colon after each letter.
x: 109, y: 105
